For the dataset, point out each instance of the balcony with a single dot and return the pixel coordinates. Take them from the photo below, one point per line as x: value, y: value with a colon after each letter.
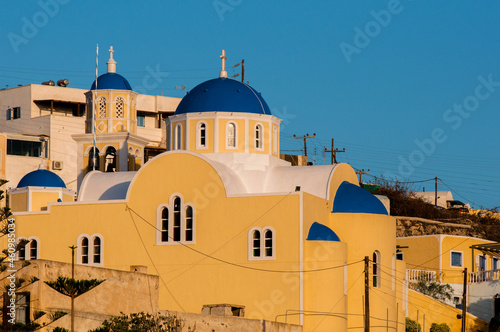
x: 420, y: 275
x: 484, y: 276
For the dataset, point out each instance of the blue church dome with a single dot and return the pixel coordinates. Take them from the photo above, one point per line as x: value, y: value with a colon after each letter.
x: 223, y: 95
x: 111, y: 81
x: 41, y: 178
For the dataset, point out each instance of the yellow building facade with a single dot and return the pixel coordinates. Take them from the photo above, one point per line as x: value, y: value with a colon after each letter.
x: 221, y: 219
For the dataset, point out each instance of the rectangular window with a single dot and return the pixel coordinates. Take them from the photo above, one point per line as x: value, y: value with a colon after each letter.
x: 141, y: 119
x: 9, y: 114
x: 456, y: 259
x: 24, y: 148
x: 399, y: 256
x: 23, y: 307
x: 494, y: 263
x: 16, y: 112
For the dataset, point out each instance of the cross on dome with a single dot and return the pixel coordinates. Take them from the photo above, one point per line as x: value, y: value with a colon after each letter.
x: 111, y: 63
x: 223, y: 72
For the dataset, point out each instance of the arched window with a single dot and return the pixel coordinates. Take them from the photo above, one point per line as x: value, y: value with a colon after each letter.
x: 175, y: 222
x: 259, y: 134
x: 119, y: 107
x: 201, y: 140
x: 85, y: 250
x: 101, y: 104
x: 189, y: 224
x: 231, y: 135
x: 178, y: 137
x: 91, y: 159
x: 376, y: 269
x: 21, y: 249
x: 164, y: 225
x: 89, y: 250
x: 256, y: 243
x: 261, y: 243
x: 177, y: 219
x: 110, y: 159
x: 97, y: 250
x: 33, y: 249
x: 268, y: 243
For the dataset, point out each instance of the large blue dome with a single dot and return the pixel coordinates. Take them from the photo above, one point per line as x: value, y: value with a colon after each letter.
x: 223, y: 95
x: 111, y: 81
x: 41, y: 178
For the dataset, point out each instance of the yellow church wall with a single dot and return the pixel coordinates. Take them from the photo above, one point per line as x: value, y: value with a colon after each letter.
x: 19, y: 202
x: 325, y: 295
x: 240, y: 135
x: 230, y: 220
x: 422, y: 307
x: 222, y: 226
x: 364, y: 234
x: 39, y: 200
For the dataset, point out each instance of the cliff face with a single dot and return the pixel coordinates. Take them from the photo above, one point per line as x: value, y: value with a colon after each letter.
x: 413, y: 226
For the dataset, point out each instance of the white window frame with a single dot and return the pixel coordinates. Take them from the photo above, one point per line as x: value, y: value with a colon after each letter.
x: 461, y: 258
x: 170, y: 207
x: 199, y: 145
x: 177, y: 137
x: 376, y: 271
x: 235, y: 137
x: 262, y: 239
x: 260, y: 140
x: 91, y: 251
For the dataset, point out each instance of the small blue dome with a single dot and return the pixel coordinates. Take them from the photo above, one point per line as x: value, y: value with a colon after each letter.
x: 223, y: 95
x: 320, y: 232
x: 111, y: 81
x: 41, y: 178
x: 353, y: 199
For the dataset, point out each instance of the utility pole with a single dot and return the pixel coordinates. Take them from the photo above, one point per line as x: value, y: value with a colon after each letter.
x: 464, y: 302
x: 334, y: 152
x: 73, y: 288
x: 305, y: 138
x: 367, y: 294
x: 242, y: 63
x: 361, y: 172
x: 436, y: 191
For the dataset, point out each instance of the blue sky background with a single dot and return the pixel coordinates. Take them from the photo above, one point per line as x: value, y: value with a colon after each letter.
x: 400, y: 85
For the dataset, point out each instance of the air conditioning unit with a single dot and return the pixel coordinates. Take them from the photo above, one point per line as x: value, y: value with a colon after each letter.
x: 57, y: 165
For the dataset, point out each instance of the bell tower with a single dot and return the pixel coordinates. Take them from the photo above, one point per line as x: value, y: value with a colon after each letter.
x: 110, y: 142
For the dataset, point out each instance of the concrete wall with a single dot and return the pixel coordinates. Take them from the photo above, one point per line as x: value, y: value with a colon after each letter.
x: 120, y: 292
x: 207, y: 323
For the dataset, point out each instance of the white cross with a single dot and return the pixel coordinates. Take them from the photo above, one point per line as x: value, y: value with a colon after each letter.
x: 111, y: 52
x: 223, y: 72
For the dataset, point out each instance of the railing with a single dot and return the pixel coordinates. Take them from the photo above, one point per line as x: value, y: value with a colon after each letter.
x: 482, y: 276
x: 420, y: 275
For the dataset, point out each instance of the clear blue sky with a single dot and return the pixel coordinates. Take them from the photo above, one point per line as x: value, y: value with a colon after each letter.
x: 410, y: 89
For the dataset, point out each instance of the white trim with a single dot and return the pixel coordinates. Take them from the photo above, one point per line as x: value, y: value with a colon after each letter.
x: 461, y: 258
x: 301, y: 257
x: 198, y: 144
x: 216, y: 132
x: 247, y: 136
x: 261, y: 139
x: 91, y: 251
x: 262, y: 246
x: 182, y: 212
x: 378, y: 270
x: 235, y: 138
